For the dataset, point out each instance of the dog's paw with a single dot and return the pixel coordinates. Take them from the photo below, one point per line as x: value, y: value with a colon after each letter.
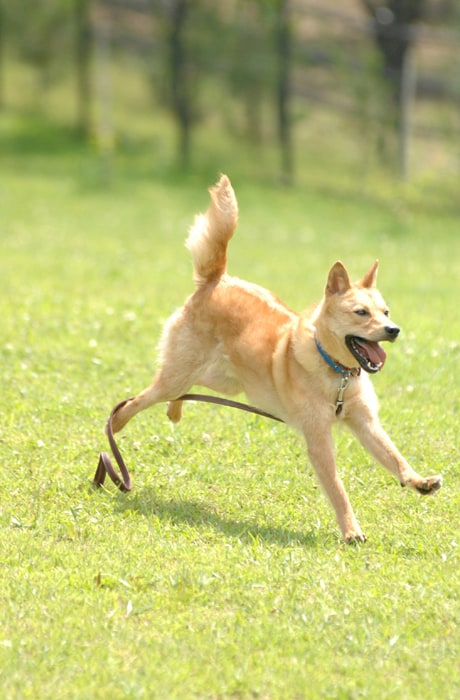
x: 354, y: 537
x: 429, y: 485
x: 174, y: 411
x: 426, y: 486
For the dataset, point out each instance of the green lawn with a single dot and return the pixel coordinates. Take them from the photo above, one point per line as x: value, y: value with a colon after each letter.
x: 222, y: 574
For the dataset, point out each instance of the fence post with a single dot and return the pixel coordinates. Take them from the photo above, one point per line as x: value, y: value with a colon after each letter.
x: 2, y: 55
x: 83, y: 47
x: 408, y: 83
x: 283, y: 47
x: 104, y: 123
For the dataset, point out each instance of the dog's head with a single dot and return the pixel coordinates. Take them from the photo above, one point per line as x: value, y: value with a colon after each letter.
x: 356, y: 318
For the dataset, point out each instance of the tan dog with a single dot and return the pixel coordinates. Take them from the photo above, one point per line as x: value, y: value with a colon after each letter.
x: 233, y: 336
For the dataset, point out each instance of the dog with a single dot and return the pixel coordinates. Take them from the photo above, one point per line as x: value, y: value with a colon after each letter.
x: 310, y: 370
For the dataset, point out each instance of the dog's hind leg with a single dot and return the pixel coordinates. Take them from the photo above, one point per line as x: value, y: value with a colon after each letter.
x: 185, y: 355
x: 165, y: 387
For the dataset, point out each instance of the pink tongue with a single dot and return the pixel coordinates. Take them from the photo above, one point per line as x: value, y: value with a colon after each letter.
x: 374, y: 352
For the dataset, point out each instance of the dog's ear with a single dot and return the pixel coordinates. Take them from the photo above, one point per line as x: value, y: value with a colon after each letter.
x: 338, y: 281
x: 370, y: 278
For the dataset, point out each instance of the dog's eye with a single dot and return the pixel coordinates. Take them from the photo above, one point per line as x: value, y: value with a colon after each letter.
x: 362, y: 312
x: 386, y: 312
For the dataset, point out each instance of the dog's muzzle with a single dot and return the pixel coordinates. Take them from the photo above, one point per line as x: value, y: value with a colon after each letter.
x: 370, y: 355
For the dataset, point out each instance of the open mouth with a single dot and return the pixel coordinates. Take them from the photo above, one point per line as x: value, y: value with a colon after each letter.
x: 369, y: 354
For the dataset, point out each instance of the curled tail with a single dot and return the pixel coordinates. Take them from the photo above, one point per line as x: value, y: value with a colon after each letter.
x: 211, y: 232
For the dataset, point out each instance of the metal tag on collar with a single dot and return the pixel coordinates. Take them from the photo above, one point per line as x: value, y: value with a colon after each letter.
x: 344, y: 382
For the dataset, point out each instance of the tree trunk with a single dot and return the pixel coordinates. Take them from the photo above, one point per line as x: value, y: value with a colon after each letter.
x: 179, y: 83
x: 393, y: 35
x: 393, y: 31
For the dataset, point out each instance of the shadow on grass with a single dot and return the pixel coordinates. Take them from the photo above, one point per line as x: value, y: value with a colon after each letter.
x: 195, y: 514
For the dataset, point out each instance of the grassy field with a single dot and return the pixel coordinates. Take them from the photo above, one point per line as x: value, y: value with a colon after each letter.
x: 222, y: 575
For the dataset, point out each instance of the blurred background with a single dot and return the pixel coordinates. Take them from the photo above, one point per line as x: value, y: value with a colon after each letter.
x: 270, y: 88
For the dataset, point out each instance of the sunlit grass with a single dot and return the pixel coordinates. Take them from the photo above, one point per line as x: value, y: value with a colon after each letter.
x: 222, y: 575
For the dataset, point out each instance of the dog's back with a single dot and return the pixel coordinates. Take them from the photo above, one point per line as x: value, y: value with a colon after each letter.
x: 211, y: 232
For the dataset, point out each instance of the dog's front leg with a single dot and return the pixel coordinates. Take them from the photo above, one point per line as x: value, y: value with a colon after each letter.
x: 321, y: 453
x: 373, y: 437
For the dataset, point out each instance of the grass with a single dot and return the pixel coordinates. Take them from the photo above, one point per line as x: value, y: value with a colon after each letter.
x: 222, y: 575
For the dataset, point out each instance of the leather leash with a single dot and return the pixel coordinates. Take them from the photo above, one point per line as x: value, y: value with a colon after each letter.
x: 123, y: 482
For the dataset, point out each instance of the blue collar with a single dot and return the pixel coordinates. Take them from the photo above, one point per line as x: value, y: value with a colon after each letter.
x: 336, y: 366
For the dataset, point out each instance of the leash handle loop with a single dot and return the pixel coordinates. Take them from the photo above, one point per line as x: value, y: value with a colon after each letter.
x: 105, y: 464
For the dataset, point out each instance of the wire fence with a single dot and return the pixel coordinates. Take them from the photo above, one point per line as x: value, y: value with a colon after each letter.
x: 333, y: 66
x: 269, y: 71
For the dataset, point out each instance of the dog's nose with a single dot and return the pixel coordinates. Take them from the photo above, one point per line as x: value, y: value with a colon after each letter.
x: 392, y: 332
